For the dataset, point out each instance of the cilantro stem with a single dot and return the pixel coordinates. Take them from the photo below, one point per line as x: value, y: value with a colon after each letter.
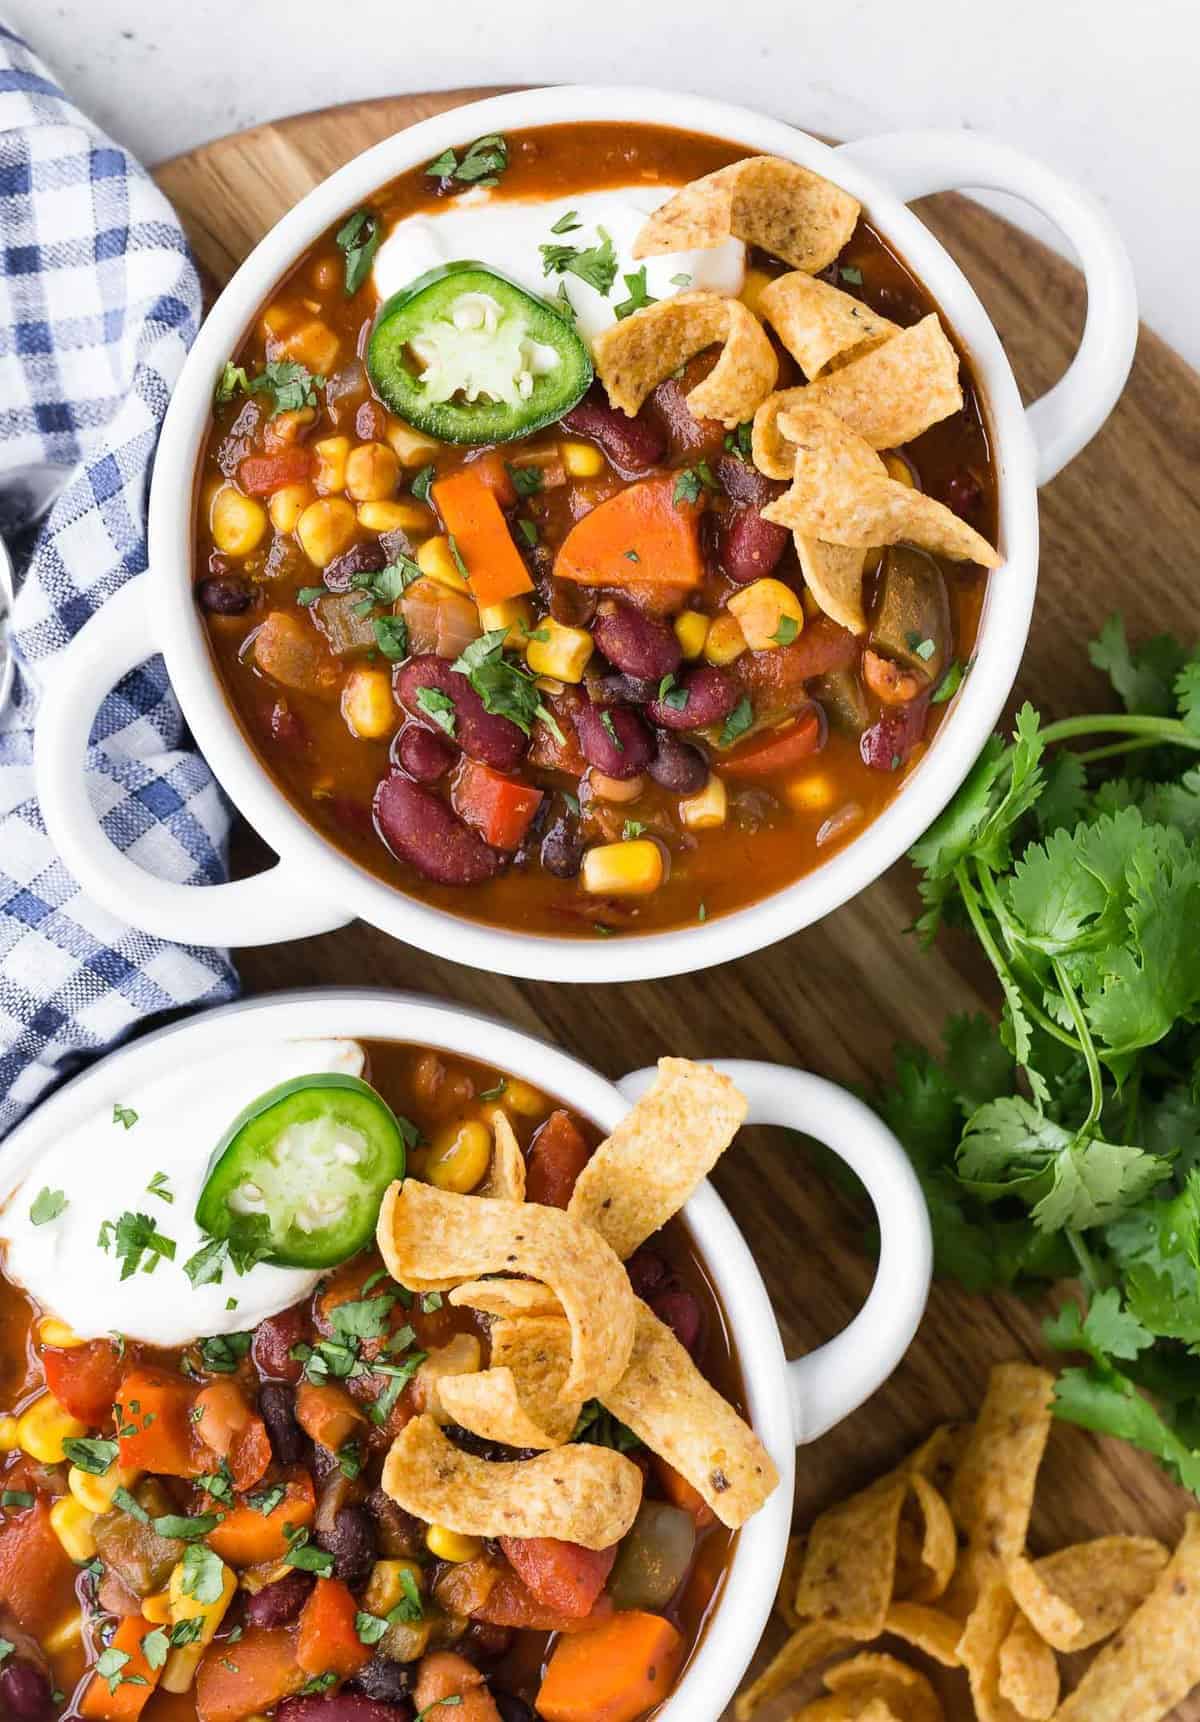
x: 1086, y: 1044
x: 1116, y: 748
x: 996, y: 957
x: 1018, y: 956
x: 1088, y: 1271
x: 1116, y: 723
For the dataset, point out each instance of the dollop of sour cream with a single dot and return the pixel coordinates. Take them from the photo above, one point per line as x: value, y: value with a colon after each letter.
x: 105, y: 1169
x: 506, y: 234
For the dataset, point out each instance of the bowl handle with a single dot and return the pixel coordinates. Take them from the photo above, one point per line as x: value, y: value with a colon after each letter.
x: 278, y: 904
x: 834, y: 1380
x: 1063, y: 421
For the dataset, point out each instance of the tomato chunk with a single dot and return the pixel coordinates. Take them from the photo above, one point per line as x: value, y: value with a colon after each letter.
x: 562, y: 1576
x: 557, y: 1155
x: 263, y: 474
x: 85, y: 1380
x: 778, y: 749
x: 500, y: 808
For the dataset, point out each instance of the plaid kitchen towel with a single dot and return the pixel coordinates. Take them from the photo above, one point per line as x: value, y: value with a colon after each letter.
x: 99, y: 302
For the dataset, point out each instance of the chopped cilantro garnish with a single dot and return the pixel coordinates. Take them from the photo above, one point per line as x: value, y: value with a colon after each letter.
x: 691, y: 482
x: 159, y: 1187
x: 137, y: 1242
x: 90, y: 1453
x: 124, y: 1115
x: 358, y: 240
x: 47, y: 1205
x: 224, y: 1351
x: 787, y: 631
x: 482, y: 162
x: 526, y: 480
x: 505, y: 689
x: 949, y: 684
x: 597, y: 265
x: 305, y: 1555
x: 391, y: 636
x: 610, y: 729
x: 638, y: 297
x: 438, y: 706
x: 568, y: 223
x: 737, y: 723
x: 289, y: 384
x: 422, y: 481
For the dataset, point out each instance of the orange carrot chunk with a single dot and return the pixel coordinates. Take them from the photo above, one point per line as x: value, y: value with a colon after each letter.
x: 473, y: 519
x: 247, y: 1537
x: 613, y: 1674
x: 639, y: 537
x: 122, y: 1695
x: 37, y: 1580
x: 155, y: 1431
x: 327, y: 1642
x: 680, y: 1493
x: 265, y: 1670
x: 444, y: 1674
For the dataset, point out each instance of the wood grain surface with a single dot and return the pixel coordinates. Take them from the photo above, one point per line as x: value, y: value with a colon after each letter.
x: 1119, y: 529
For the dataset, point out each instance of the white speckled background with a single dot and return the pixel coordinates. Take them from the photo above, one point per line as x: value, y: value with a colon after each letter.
x: 1104, y: 90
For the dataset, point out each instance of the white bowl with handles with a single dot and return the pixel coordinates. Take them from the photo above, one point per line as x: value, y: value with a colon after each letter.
x: 314, y: 887
x: 789, y: 1403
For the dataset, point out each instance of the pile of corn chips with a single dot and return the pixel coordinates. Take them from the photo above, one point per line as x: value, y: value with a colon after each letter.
x: 934, y: 1553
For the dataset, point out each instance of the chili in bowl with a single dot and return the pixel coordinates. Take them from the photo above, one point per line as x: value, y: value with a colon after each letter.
x: 401, y: 1383
x: 590, y: 536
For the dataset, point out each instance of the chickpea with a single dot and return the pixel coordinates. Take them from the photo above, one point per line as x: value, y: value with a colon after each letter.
x: 372, y: 471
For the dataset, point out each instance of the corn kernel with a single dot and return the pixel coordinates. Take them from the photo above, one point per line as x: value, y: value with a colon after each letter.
x: 769, y: 613
x: 899, y: 469
x: 56, y: 1333
x: 372, y: 471
x: 157, y: 1608
x: 436, y: 559
x: 460, y: 1157
x: 72, y: 1525
x: 618, y: 789
x: 410, y: 447
x: 62, y: 1637
x: 707, y: 809
x: 725, y: 640
x: 563, y: 653
x: 394, y: 516
x: 332, y: 453
x: 581, y: 459
x: 9, y: 1434
x: 752, y: 289
x: 43, y: 1427
x: 515, y: 615
x: 367, y: 704
x: 312, y: 344
x: 811, y: 793
x: 237, y: 522
x: 451, y: 1545
x: 385, y: 1587
x: 288, y: 504
x: 96, y: 1493
x: 631, y: 869
x: 524, y: 1099
x: 325, y: 529
x: 691, y: 630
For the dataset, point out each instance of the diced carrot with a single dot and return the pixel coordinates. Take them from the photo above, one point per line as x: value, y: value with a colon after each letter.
x: 137, y: 1678
x: 326, y: 1413
x: 444, y: 1674
x: 472, y: 517
x: 613, y: 1674
x: 639, y: 537
x: 246, y: 1537
x: 510, y: 1602
x: 327, y: 1642
x: 778, y: 750
x: 265, y: 1670
x: 37, y: 1581
x: 263, y: 474
x: 226, y: 1424
x: 557, y: 1155
x: 680, y: 1493
x: 500, y: 808
x: 155, y: 1431
x: 564, y: 1577
x: 290, y: 651
x: 85, y: 1380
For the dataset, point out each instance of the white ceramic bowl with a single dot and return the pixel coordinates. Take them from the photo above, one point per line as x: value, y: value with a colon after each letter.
x: 315, y: 887
x: 787, y: 1402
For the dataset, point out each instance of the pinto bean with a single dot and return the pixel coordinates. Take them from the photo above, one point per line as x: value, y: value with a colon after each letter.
x: 678, y: 765
x: 711, y: 696
x: 632, y: 445
x: 637, y: 644
x: 342, y: 1707
x: 276, y: 1407
x: 614, y: 739
x: 420, y: 829
x: 365, y: 558
x: 351, y: 1541
x: 749, y: 546
x: 278, y: 1604
x: 894, y: 735
x: 495, y: 741
x: 424, y: 754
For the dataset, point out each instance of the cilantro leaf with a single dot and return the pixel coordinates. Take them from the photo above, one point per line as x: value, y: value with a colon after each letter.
x: 596, y: 265
x: 47, y: 1205
x: 638, y: 298
x: 358, y: 240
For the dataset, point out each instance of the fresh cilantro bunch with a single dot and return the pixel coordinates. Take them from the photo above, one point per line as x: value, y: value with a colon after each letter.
x: 1067, y: 1144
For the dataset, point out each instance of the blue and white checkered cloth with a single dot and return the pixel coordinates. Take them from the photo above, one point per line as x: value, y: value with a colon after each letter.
x: 99, y: 302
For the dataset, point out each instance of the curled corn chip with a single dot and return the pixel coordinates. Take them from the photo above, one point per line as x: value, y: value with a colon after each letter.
x: 785, y: 209
x: 939, y: 1542
x: 872, y: 1677
x: 927, y: 1628
x: 813, y: 1643
x: 850, y: 1564
x: 988, y: 1625
x: 897, y: 390
x: 1082, y: 1594
x: 505, y: 1297
x: 669, y: 1405
x: 1155, y: 1662
x: 432, y: 1239
x: 991, y: 1496
x: 517, y: 1399
x: 506, y: 1179
x: 834, y: 576
x: 818, y: 323
x: 637, y: 353
x: 671, y: 1139
x: 1028, y: 1674
x: 580, y: 1494
x: 841, y: 492
x: 789, y: 1579
x: 770, y: 450
x: 460, y: 1356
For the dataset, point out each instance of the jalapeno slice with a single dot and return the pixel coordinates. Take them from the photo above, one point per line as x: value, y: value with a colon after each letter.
x: 467, y: 356
x: 304, y: 1169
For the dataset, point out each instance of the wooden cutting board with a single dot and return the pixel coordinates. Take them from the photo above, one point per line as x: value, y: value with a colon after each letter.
x: 1120, y: 529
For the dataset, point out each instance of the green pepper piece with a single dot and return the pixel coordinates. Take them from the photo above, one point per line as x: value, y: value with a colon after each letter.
x: 312, y: 1159
x: 467, y: 356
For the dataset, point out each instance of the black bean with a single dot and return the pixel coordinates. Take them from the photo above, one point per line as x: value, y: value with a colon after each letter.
x: 365, y: 558
x: 277, y: 1408
x: 225, y: 594
x: 562, y: 849
x: 512, y: 1708
x: 678, y: 765
x: 278, y: 1604
x: 386, y: 1679
x: 616, y: 688
x: 351, y: 1542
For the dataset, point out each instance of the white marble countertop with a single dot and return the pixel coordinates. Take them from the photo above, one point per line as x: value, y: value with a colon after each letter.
x: 1104, y: 92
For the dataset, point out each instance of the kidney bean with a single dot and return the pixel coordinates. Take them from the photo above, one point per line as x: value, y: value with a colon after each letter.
x: 486, y: 1642
x: 493, y: 740
x: 274, y: 1339
x: 891, y: 738
x: 277, y: 1409
x: 614, y: 739
x: 964, y: 494
x: 424, y: 754
x: 647, y: 1272
x: 632, y: 445
x: 570, y: 603
x: 278, y: 1604
x: 224, y: 595
x: 639, y: 645
x: 342, y: 1707
x: 681, y: 1312
x: 678, y: 765
x: 742, y: 482
x: 562, y: 849
x: 686, y: 434
x: 621, y: 690
x: 386, y: 1679
x: 749, y: 546
x: 351, y: 1542
x: 25, y: 1693
x: 711, y: 696
x: 420, y: 829
x: 365, y: 558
